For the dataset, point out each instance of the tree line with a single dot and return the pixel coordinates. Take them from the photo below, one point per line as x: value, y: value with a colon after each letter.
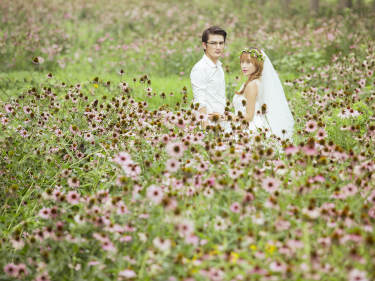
x: 341, y: 4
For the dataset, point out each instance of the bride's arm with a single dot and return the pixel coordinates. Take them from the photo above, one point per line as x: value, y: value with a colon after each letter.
x: 251, y: 92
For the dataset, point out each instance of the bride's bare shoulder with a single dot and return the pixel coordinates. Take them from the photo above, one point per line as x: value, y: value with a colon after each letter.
x: 253, y: 85
x: 255, y: 81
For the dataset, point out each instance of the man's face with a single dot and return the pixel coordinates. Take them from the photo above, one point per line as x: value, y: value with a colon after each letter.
x: 214, y: 46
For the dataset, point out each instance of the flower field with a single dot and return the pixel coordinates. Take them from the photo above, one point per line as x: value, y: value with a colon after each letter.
x: 105, y: 173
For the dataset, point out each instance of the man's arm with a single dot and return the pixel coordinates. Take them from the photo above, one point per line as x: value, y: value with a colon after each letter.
x: 199, y: 85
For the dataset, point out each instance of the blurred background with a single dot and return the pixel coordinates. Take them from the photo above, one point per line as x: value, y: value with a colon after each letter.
x: 163, y: 37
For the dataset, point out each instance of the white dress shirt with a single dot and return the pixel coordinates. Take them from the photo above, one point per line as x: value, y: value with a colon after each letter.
x: 208, y: 84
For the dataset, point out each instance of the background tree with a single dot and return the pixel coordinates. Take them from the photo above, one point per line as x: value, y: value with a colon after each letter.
x: 360, y: 6
x: 285, y: 4
x: 345, y: 4
x: 314, y: 6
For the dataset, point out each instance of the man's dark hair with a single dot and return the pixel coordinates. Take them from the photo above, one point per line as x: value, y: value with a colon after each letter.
x: 213, y: 30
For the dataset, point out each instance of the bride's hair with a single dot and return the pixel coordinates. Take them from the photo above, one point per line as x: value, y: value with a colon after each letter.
x: 247, y: 54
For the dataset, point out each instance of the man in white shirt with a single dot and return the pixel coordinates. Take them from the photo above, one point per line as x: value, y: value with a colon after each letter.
x: 207, y: 75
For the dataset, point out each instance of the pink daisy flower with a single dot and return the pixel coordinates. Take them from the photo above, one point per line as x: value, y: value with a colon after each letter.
x: 17, y: 243
x: 43, y: 277
x: 180, y: 123
x: 362, y: 83
x: 220, y: 224
x: 192, y: 239
x: 248, y: 197
x: 66, y: 173
x: 4, y: 121
x: 24, y: 133
x: 73, y: 182
x: 309, y: 150
x: 357, y: 275
x: 73, y: 197
x: 321, y: 134
x: 311, y: 126
x: 132, y: 170
x: 165, y: 138
x: 74, y: 130
x: 313, y: 213
x: 22, y: 270
x: 122, y: 209
x: 258, y: 270
x: 324, y: 241
x: 175, y: 149
x: 371, y: 212
x: 235, y: 207
x: 123, y: 158
x: 171, y: 204
x: 11, y: 269
x: 126, y: 238
x: 164, y: 245
x: 27, y: 109
x: 9, y: 108
x: 127, y: 274
x: 298, y: 244
x: 100, y: 237
x: 172, y: 165
x: 290, y: 150
x: 107, y: 245
x: 319, y: 178
x: 45, y: 213
x: 277, y: 266
x: 270, y: 184
x: 58, y: 133
x: 348, y: 190
x: 38, y: 60
x: 155, y: 194
x: 216, y: 274
x: 88, y: 136
x: 282, y: 225
x: 185, y: 228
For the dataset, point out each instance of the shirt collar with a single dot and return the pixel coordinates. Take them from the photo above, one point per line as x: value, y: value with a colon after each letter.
x: 210, y: 62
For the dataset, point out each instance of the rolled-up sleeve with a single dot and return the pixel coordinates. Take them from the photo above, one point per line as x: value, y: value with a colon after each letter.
x: 199, y: 84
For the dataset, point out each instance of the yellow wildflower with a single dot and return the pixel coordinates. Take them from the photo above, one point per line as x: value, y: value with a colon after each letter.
x: 253, y: 247
x: 270, y: 248
x: 194, y: 270
x: 96, y: 85
x: 213, y: 252
x: 234, y: 257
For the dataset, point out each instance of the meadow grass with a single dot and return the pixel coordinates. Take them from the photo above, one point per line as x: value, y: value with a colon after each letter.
x: 117, y: 181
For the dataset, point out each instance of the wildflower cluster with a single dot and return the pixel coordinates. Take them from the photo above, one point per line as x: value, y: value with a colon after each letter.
x: 114, y: 179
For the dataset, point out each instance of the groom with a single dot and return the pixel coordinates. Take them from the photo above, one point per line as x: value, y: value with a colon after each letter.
x: 207, y: 75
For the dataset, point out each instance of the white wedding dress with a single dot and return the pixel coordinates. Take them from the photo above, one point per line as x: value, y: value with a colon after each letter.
x: 259, y: 122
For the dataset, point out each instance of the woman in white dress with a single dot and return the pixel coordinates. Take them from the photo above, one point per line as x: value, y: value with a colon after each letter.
x: 261, y: 99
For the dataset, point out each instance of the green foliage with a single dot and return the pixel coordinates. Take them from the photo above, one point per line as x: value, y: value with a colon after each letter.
x: 83, y: 81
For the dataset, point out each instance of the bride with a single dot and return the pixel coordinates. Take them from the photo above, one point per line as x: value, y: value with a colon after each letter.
x: 261, y: 99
